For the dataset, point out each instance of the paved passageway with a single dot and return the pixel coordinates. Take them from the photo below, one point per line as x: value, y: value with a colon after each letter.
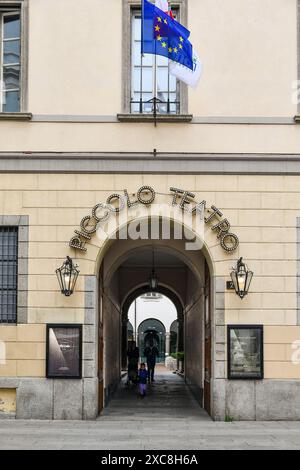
x: 167, y: 398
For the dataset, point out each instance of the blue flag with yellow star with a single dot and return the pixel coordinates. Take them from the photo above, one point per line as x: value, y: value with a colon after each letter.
x: 162, y: 35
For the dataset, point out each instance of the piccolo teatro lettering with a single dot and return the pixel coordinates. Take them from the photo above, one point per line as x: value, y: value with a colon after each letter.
x: 146, y: 195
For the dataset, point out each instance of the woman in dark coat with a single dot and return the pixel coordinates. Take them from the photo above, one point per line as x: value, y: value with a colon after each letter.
x: 133, y: 355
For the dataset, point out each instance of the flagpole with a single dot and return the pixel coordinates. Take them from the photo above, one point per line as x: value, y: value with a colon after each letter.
x: 141, y: 85
x: 155, y: 88
x: 168, y: 104
x: 142, y: 56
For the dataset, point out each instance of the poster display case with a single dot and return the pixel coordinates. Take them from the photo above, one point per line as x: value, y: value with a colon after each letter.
x: 64, y: 351
x: 245, y: 352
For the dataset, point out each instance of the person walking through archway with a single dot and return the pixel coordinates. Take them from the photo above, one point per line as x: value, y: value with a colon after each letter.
x: 133, y: 355
x: 151, y: 353
x: 142, y: 378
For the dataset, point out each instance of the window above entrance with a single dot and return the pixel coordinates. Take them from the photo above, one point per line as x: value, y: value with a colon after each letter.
x: 143, y: 83
x: 139, y: 84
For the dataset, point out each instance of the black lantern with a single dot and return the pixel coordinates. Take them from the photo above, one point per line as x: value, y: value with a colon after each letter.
x: 67, y: 276
x: 241, y: 278
x: 153, y: 280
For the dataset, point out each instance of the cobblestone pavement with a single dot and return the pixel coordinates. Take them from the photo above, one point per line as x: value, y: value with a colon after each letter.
x: 168, y: 418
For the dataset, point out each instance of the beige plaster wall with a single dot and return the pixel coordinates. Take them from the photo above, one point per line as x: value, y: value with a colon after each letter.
x: 25, y: 351
x: 249, y: 53
x: 144, y: 137
x: 75, y: 56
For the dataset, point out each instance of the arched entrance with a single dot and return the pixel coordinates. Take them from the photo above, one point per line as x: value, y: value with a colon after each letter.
x: 143, y: 292
x: 152, y: 331
x: 185, y: 278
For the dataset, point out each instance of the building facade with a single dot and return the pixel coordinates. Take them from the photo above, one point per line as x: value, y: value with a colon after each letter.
x: 80, y: 144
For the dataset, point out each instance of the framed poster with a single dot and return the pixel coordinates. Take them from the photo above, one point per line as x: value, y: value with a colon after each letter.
x: 64, y: 351
x: 245, y: 352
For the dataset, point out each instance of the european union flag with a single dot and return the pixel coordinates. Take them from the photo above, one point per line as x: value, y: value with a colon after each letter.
x: 162, y: 35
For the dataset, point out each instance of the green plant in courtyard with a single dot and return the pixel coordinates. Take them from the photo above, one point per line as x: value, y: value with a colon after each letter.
x: 178, y: 355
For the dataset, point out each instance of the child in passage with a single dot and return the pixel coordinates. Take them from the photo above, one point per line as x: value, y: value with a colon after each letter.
x: 143, y: 375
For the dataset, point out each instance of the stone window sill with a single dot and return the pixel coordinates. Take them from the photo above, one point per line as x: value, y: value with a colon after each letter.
x: 15, y: 116
x: 175, y: 118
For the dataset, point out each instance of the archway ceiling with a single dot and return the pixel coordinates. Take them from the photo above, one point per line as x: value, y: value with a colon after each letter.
x: 171, y: 271
x: 139, y: 253
x: 130, y: 278
x: 128, y: 265
x: 144, y: 258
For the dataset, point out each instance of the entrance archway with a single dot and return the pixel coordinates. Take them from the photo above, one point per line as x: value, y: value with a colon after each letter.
x: 141, y: 292
x: 185, y: 278
x: 152, y: 331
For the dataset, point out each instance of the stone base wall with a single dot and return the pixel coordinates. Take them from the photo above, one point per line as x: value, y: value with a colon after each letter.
x: 266, y: 400
x: 54, y: 399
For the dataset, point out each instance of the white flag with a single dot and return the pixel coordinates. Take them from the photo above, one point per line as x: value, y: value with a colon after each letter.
x: 188, y: 76
x: 162, y: 4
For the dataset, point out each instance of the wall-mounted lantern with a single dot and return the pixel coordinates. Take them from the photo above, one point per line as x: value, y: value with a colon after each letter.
x: 67, y: 276
x: 241, y: 278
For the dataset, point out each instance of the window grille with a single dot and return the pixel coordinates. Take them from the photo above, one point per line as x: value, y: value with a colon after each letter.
x: 8, y: 274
